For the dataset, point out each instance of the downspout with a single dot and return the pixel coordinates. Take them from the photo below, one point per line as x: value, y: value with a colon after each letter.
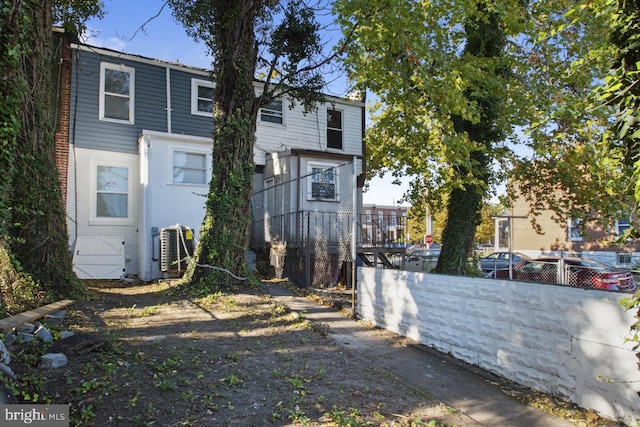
x: 144, y: 243
x: 168, y: 83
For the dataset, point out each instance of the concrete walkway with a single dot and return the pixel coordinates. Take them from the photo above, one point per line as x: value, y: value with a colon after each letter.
x: 460, y: 386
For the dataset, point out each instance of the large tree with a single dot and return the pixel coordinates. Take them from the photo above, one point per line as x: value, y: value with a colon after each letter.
x: 440, y: 76
x: 246, y: 42
x: 33, y: 235
x: 460, y: 83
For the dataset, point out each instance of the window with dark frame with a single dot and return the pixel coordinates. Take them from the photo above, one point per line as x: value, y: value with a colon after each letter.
x: 323, y: 183
x: 272, y: 113
x: 334, y: 129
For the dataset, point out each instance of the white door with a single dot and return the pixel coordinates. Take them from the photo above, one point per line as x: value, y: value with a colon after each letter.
x: 99, y: 258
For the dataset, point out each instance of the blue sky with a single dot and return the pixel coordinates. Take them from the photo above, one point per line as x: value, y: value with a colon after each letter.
x: 164, y: 39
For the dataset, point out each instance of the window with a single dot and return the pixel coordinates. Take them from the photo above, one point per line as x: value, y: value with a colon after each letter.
x: 574, y: 231
x: 189, y: 168
x: 201, y: 97
x: 624, y: 258
x: 368, y: 216
x: 334, y: 129
x: 323, y: 182
x: 394, y: 219
x: 272, y: 113
x: 621, y: 226
x: 112, y: 192
x: 116, y: 93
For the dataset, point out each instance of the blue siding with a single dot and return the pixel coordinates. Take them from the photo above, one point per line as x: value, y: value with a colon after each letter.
x: 182, y: 121
x: 88, y: 131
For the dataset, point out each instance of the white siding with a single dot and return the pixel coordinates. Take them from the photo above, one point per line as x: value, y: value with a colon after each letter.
x: 309, y: 132
x: 81, y: 199
x: 165, y: 203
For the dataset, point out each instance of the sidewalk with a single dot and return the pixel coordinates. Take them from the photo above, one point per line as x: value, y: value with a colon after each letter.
x: 452, y: 383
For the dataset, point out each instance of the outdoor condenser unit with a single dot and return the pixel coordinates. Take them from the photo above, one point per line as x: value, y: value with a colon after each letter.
x: 176, y: 246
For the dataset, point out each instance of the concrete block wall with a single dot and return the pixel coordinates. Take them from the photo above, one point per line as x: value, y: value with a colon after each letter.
x: 568, y: 342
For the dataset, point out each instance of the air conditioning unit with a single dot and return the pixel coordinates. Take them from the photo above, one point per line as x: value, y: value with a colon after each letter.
x: 176, y: 247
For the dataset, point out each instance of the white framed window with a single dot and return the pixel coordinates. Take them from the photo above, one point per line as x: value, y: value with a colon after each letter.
x: 112, y: 191
x: 574, y: 230
x: 621, y: 226
x: 273, y: 112
x: 323, y: 182
x: 201, y: 97
x: 117, y: 89
x: 394, y: 219
x: 189, y: 168
x: 368, y: 216
x: 334, y: 129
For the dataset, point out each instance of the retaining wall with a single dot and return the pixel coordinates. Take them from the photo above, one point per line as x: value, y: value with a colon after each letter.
x: 568, y: 342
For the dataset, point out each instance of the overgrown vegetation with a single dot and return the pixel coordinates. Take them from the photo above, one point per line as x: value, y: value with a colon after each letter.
x: 33, y: 237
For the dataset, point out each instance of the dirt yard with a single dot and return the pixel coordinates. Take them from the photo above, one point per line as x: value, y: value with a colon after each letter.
x: 143, y: 355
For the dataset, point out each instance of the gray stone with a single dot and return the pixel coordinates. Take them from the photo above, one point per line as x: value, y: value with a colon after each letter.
x: 66, y: 334
x: 10, y: 338
x: 5, y: 357
x: 44, y: 334
x: 55, y: 318
x: 7, y: 372
x: 26, y: 328
x: 25, y: 337
x: 53, y: 361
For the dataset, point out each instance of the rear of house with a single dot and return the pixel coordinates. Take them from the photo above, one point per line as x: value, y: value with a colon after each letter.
x: 138, y: 155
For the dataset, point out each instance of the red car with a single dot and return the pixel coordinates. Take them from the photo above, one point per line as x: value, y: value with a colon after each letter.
x: 576, y: 272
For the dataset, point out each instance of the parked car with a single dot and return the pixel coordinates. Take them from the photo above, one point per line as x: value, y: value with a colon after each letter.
x: 497, y: 264
x: 422, y: 260
x: 577, y: 272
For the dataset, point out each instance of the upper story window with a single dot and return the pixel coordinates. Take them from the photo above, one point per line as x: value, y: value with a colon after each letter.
x: 112, y: 192
x: 323, y: 182
x: 116, y: 93
x: 393, y: 219
x: 201, y: 97
x: 334, y: 129
x: 272, y: 113
x: 574, y: 230
x: 189, y: 168
x: 368, y: 216
x: 621, y: 226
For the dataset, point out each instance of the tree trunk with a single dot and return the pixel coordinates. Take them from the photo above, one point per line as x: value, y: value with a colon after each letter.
x: 224, y: 235
x: 485, y: 38
x: 38, y: 232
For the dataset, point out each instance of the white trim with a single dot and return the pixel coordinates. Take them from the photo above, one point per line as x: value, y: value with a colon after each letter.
x: 203, y: 153
x: 282, y: 114
x: 94, y: 219
x: 132, y: 84
x: 324, y: 165
x: 137, y: 58
x: 195, y: 84
x: 177, y: 137
x: 570, y: 226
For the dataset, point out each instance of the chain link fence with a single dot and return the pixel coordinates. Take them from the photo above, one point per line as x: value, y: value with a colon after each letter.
x: 575, y: 272
x: 303, y: 226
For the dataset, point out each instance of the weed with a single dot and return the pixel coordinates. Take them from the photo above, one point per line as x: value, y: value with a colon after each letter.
x: 134, y: 400
x: 343, y: 419
x: 164, y: 383
x: 232, y: 380
x: 149, y: 311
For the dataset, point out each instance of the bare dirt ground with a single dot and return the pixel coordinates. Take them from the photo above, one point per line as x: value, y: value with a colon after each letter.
x: 144, y: 355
